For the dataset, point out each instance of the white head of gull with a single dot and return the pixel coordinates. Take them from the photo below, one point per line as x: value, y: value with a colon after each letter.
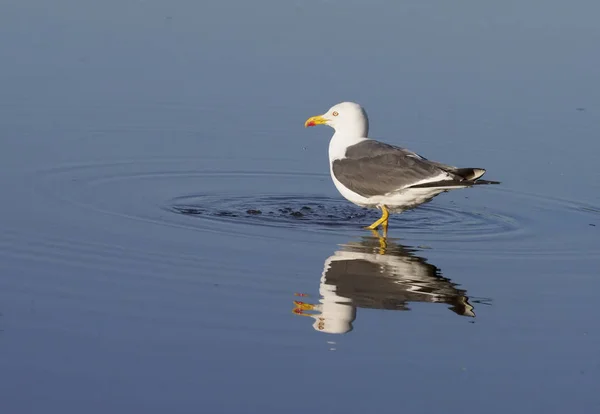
x: 370, y: 173
x: 347, y: 118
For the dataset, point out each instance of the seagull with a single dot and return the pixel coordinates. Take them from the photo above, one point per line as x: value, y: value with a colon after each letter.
x: 374, y: 174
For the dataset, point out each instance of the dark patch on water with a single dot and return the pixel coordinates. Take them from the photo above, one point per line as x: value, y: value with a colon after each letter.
x: 278, y: 210
x: 226, y: 214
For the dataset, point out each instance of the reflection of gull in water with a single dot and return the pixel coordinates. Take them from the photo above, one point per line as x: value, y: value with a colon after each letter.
x: 377, y: 273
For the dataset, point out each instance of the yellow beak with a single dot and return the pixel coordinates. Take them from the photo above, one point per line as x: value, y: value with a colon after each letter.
x: 315, y: 120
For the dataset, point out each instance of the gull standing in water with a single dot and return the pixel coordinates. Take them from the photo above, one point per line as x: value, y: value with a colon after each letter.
x: 373, y: 174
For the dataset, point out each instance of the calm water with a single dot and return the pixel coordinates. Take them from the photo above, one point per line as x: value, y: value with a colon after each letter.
x: 171, y: 240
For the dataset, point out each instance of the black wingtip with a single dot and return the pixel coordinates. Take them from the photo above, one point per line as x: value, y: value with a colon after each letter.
x: 453, y: 183
x: 469, y: 174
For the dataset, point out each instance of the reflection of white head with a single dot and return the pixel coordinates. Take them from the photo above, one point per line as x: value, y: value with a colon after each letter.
x: 335, y: 313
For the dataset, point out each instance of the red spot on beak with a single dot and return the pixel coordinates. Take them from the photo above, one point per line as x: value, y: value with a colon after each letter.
x: 311, y: 123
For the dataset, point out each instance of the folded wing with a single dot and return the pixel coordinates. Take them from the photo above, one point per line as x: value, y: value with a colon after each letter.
x: 373, y: 168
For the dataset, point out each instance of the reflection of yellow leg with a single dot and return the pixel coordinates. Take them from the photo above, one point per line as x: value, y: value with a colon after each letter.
x: 382, y: 240
x: 383, y: 221
x: 385, y: 228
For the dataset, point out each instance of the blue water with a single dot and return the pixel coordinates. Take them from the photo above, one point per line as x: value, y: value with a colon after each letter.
x: 168, y: 226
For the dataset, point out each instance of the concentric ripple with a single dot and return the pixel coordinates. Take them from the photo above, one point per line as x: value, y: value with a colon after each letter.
x: 199, y: 195
x: 324, y: 212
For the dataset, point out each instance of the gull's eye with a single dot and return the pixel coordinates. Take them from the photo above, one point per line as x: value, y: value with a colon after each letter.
x: 335, y: 113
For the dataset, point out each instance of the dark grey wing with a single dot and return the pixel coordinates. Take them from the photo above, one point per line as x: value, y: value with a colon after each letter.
x: 373, y: 148
x: 392, y: 279
x: 373, y: 168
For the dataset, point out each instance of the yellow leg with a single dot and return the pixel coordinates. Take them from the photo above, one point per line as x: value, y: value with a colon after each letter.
x: 383, y: 221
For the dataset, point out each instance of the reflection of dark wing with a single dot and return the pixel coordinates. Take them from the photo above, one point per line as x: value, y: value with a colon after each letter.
x: 364, y: 283
x: 390, y: 280
x: 373, y: 168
